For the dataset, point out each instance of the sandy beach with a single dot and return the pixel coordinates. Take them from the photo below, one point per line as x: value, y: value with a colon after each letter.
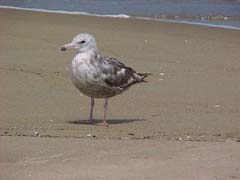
x: 189, y: 108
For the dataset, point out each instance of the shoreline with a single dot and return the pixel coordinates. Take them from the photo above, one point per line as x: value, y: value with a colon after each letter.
x: 163, y: 18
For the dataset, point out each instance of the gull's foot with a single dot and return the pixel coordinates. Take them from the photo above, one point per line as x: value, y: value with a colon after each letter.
x: 104, y: 123
x: 92, y: 122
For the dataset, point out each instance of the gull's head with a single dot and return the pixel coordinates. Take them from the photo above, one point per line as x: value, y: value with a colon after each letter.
x: 82, y: 42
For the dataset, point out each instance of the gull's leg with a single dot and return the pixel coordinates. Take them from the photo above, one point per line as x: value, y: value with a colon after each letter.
x: 104, y: 123
x: 105, y: 111
x: 91, y: 111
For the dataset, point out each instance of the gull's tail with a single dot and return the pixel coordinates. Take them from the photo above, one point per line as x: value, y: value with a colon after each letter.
x: 136, y: 78
x: 143, y: 76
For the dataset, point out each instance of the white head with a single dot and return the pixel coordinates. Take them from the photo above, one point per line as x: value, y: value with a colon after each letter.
x: 83, y: 42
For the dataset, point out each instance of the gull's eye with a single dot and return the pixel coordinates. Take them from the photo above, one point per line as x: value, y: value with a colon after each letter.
x: 81, y: 42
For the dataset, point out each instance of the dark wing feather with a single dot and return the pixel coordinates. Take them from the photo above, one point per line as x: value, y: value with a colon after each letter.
x: 119, y: 75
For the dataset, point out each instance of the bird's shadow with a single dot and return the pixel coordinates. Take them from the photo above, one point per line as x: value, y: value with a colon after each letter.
x: 109, y: 121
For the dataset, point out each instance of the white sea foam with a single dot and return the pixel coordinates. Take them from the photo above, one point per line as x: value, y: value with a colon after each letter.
x: 209, y: 25
x: 190, y: 22
x: 66, y: 12
x: 124, y: 16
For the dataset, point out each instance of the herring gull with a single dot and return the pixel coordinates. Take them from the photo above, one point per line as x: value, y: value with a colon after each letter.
x: 99, y: 76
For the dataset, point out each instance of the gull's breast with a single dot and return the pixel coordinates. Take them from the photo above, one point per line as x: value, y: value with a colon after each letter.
x: 84, y: 73
x: 89, y: 79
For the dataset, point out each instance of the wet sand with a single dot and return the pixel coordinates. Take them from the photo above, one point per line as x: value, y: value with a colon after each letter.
x: 103, y: 159
x: 193, y: 94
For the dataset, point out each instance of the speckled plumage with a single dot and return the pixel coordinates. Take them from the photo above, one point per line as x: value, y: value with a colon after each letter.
x: 101, y: 77
x: 98, y: 76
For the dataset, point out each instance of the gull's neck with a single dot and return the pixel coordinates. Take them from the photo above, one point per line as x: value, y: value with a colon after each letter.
x: 89, y: 52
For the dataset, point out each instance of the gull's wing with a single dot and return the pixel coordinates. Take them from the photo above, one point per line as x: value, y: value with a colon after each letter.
x: 119, y: 75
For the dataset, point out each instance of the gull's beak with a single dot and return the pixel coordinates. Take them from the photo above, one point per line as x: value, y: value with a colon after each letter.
x: 67, y: 46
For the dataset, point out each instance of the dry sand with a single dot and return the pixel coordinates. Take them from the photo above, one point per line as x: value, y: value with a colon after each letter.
x: 192, y: 95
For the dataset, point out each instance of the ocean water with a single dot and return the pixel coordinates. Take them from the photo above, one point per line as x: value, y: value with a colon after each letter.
x: 218, y: 13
